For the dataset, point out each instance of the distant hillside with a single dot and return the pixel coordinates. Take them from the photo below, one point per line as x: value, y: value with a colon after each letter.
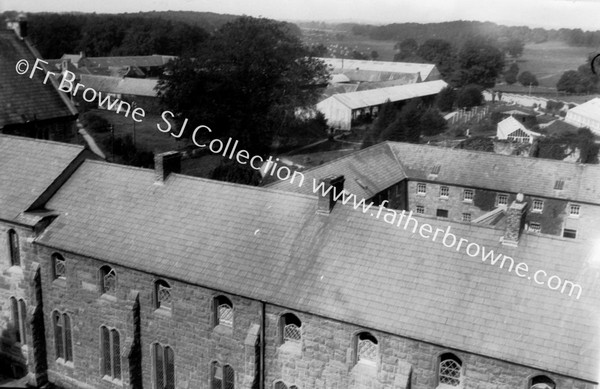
x: 143, y: 33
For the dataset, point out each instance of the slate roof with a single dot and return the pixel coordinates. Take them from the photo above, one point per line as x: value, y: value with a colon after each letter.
x: 366, y: 172
x: 129, y: 86
x: 479, y: 169
x: 373, y: 97
x: 272, y: 246
x: 22, y: 99
x: 385, y: 164
x: 27, y: 168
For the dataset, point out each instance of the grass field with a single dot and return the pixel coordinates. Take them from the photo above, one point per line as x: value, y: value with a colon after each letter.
x: 549, y: 60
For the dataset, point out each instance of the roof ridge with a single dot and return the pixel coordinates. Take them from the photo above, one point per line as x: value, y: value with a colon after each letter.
x: 53, y: 142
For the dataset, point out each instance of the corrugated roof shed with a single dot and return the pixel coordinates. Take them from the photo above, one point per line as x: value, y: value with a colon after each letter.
x: 424, y: 69
x: 27, y: 168
x: 23, y: 99
x: 373, y: 97
x: 346, y: 266
x: 129, y: 86
x: 510, y: 125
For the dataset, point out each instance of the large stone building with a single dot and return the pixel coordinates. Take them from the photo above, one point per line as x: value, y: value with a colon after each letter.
x: 471, y: 187
x: 114, y: 277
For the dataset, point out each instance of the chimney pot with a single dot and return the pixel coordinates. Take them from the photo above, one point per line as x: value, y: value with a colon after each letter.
x: 165, y: 164
x: 515, y: 220
x: 22, y: 23
x: 325, y: 203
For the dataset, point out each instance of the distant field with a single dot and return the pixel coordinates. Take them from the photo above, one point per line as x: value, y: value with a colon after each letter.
x: 549, y: 60
x: 346, y: 41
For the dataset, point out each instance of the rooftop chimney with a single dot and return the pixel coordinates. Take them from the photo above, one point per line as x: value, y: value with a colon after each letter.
x: 326, y: 203
x: 22, y: 23
x: 165, y: 164
x: 514, y: 221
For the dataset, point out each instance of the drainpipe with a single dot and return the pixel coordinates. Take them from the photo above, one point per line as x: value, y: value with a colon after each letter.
x: 261, y: 371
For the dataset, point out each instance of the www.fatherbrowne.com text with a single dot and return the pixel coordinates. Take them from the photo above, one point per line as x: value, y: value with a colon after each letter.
x: 229, y: 150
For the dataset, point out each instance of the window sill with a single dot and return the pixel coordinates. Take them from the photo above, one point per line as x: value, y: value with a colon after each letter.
x: 62, y: 282
x: 223, y: 329
x: 291, y: 347
x: 15, y: 269
x: 163, y: 311
x: 468, y: 201
x: 108, y: 297
x: 65, y: 363
x: 115, y: 381
x: 367, y: 368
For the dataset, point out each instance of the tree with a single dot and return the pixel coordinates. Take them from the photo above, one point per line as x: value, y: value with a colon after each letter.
x: 439, y: 52
x: 386, y: 116
x: 469, y: 96
x: 527, y: 78
x: 514, y: 47
x: 432, y: 123
x: 510, y: 76
x: 479, y: 62
x: 406, y: 49
x: 246, y: 82
x: 445, y: 99
x: 407, y: 125
x: 573, y: 81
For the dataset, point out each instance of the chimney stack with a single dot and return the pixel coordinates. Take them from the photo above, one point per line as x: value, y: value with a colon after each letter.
x: 165, y: 164
x: 515, y: 220
x: 22, y: 25
x: 325, y: 203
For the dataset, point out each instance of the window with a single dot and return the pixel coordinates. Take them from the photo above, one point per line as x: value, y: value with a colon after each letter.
x: 444, y: 191
x: 436, y: 169
x: 537, y: 205
x: 569, y: 233
x: 367, y: 348
x: 58, y: 266
x: 541, y: 382
x: 450, y: 370
x: 420, y: 209
x: 421, y: 189
x: 282, y: 385
x: 559, y: 184
x: 535, y: 227
x: 108, y: 280
x: 222, y: 377
x: 13, y: 248
x: 468, y: 195
x: 291, y: 328
x: 501, y: 199
x: 574, y: 210
x: 441, y: 213
x: 18, y: 319
x: 466, y: 217
x: 223, y: 311
x: 110, y: 353
x: 164, y: 367
x: 62, y: 336
x: 162, y: 294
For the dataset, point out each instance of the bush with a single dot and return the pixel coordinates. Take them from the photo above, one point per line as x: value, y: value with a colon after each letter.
x: 527, y: 78
x: 469, y: 96
x: 95, y: 123
x: 445, y: 99
x: 432, y: 123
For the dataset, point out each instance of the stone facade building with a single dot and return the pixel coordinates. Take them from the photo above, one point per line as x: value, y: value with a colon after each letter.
x: 470, y: 186
x: 128, y: 277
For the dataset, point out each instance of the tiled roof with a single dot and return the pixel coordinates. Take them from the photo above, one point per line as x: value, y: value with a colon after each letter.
x: 272, y: 246
x: 477, y: 169
x: 105, y: 62
x: 373, y: 97
x: 23, y: 99
x: 27, y: 168
x: 366, y: 172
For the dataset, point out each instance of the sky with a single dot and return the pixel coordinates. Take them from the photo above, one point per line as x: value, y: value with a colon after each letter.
x: 582, y: 14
